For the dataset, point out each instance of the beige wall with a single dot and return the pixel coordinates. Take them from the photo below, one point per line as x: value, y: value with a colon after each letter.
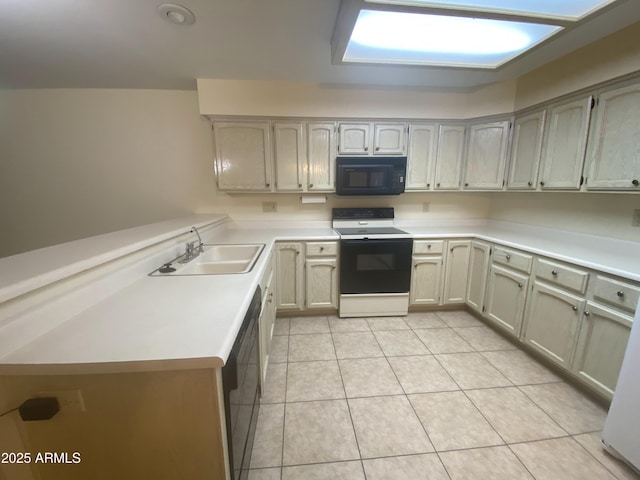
x: 598, y: 213
x: 613, y: 56
x: 298, y: 99
x: 77, y: 163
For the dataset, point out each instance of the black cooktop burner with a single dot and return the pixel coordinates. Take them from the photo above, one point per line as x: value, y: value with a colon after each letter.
x: 371, y: 231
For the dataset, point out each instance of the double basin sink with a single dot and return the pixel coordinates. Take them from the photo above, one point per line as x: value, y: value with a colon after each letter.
x: 215, y: 260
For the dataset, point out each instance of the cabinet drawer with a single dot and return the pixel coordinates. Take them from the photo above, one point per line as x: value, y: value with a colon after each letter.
x: 568, y: 277
x: 513, y: 259
x: 426, y: 247
x: 322, y: 249
x: 616, y: 293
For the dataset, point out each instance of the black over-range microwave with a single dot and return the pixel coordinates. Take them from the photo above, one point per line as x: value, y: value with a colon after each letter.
x: 370, y: 175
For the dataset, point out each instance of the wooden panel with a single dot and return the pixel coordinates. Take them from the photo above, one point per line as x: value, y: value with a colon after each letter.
x: 421, y: 155
x: 321, y: 156
x: 601, y: 346
x: 449, y: 157
x: 456, y: 271
x: 516, y: 260
x: 622, y: 295
x: 506, y: 296
x: 421, y: 247
x: 426, y: 281
x: 290, y: 155
x: 565, y: 144
x: 476, y: 283
x: 564, y: 275
x: 615, y: 150
x: 526, y: 151
x: 389, y: 138
x: 486, y: 156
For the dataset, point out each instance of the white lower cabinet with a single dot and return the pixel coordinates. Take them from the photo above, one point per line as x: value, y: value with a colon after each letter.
x: 290, y: 274
x: 267, y: 317
x: 426, y: 280
x: 552, y: 322
x: 506, y: 297
x: 456, y: 272
x: 602, y: 342
x: 321, y: 275
x: 477, y: 278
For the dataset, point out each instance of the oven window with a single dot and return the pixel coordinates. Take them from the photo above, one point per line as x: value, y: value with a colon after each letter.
x: 375, y: 262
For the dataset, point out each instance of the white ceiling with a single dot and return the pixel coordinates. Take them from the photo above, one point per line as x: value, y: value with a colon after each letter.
x: 125, y: 44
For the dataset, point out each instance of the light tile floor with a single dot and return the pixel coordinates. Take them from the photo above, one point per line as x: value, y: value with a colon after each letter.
x: 427, y: 396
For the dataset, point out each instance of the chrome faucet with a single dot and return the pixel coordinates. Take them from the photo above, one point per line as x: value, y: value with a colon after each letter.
x: 193, y: 249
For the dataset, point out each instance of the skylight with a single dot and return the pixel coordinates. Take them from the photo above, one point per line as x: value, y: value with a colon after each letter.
x: 422, y: 39
x: 557, y: 9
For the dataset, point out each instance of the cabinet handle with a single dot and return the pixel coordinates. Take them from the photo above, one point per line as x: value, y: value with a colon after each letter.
x: 635, y: 183
x: 297, y: 252
x: 268, y: 184
x: 575, y: 309
x: 542, y: 184
x: 451, y: 249
x: 377, y: 149
x: 530, y: 184
x: 321, y: 249
x: 520, y: 285
x: 428, y: 185
x: 437, y: 184
x: 366, y: 149
x: 311, y: 185
x: 428, y: 246
x: 554, y: 272
x: 620, y: 293
x: 587, y: 313
x: 508, y: 257
x: 466, y: 184
x: 299, y: 185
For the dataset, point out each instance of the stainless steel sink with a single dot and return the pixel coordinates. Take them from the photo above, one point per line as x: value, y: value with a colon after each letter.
x: 216, y: 260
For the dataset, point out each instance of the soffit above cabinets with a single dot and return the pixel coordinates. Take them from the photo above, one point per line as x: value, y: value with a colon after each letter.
x: 123, y: 44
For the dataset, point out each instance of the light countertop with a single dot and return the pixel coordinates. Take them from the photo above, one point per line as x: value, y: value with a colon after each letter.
x: 177, y: 322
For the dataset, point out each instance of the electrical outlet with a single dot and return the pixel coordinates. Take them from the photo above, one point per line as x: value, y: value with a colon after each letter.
x: 70, y: 401
x: 426, y: 206
x: 269, y: 207
x: 636, y: 219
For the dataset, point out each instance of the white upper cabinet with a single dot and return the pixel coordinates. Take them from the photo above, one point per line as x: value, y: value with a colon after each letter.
x: 526, y: 151
x: 321, y: 156
x: 372, y: 138
x: 486, y: 155
x: 615, y: 141
x: 290, y: 155
x: 449, y: 156
x: 564, y: 145
x: 389, y: 138
x: 354, y: 138
x: 243, y: 155
x: 421, y: 155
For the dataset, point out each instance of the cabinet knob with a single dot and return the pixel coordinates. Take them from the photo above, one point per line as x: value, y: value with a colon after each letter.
x: 297, y: 252
x: 428, y: 246
x: 587, y: 313
x: 520, y: 285
x: 635, y: 183
x: 299, y: 185
x: 620, y: 293
x: 268, y: 184
x: 466, y: 184
x: 508, y: 257
x: 451, y: 249
x: 575, y: 309
x: 377, y: 149
x: 311, y: 185
x: 428, y: 185
x: 554, y: 272
x: 542, y: 184
x: 321, y: 249
x: 530, y: 183
x: 437, y: 184
x: 366, y: 149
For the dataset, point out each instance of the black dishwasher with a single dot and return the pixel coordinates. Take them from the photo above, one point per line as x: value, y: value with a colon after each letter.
x: 240, y: 378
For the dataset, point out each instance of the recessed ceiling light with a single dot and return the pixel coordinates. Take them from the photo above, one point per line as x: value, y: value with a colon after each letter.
x: 176, y: 14
x: 422, y: 39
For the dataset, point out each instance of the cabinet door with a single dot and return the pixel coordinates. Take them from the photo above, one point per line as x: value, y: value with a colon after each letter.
x: 290, y: 155
x: 355, y: 138
x: 321, y: 156
x: 289, y: 272
x: 601, y: 346
x: 321, y: 277
x: 266, y: 326
x: 426, y: 281
x: 552, y: 322
x: 506, y: 296
x: 564, y: 145
x: 456, y: 270
x: 486, y: 156
x: 477, y: 279
x: 421, y: 155
x: 389, y: 138
x: 243, y: 155
x: 526, y: 151
x: 449, y: 157
x: 615, y: 147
